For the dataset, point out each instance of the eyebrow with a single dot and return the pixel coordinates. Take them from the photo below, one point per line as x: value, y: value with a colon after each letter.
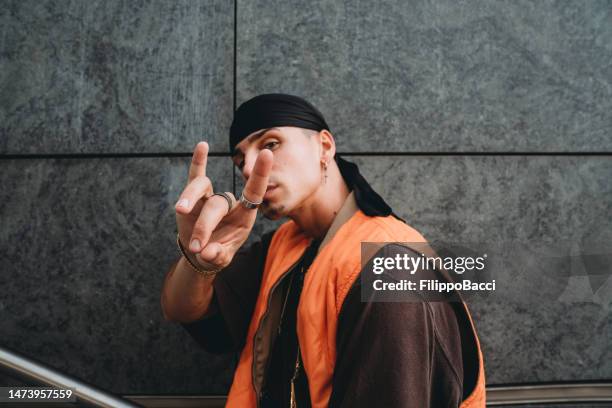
x: 252, y: 138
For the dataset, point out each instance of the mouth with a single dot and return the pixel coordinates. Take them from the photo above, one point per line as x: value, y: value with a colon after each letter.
x: 270, y: 190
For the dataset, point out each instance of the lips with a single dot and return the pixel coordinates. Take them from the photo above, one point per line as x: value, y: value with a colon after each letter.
x: 269, y: 191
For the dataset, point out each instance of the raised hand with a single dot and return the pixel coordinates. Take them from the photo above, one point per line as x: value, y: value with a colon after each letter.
x: 204, y: 224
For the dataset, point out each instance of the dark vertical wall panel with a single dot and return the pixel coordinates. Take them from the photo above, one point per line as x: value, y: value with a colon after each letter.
x: 85, y: 246
x: 115, y: 76
x: 438, y: 75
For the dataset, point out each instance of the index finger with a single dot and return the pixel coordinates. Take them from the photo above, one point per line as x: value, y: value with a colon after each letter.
x: 257, y: 184
x: 198, y: 161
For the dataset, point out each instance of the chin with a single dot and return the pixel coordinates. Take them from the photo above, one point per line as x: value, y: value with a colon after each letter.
x: 273, y: 212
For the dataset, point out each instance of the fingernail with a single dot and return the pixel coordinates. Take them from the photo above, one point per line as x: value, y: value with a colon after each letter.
x: 183, y: 203
x: 195, y: 245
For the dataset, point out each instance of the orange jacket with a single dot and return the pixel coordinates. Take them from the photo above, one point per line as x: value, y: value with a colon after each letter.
x: 326, y: 284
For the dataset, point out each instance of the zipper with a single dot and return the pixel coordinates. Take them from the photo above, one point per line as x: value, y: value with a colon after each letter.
x: 257, y: 391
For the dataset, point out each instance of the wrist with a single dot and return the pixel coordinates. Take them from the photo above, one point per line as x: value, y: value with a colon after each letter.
x: 192, y: 262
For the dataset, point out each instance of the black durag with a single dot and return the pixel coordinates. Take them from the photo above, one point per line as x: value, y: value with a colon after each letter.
x: 270, y: 110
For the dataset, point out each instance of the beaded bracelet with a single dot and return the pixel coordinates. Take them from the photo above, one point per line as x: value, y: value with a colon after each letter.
x: 208, y: 273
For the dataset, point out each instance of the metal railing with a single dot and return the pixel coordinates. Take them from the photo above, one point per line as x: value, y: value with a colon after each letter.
x: 565, y: 393
x: 29, y: 370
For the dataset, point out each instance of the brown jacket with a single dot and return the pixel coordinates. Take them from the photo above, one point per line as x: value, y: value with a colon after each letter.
x: 355, y: 353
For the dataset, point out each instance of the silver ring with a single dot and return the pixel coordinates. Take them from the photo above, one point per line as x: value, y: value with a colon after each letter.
x: 230, y: 203
x: 249, y: 205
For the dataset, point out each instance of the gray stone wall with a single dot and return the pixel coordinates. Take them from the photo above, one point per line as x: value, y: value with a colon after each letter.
x: 477, y: 120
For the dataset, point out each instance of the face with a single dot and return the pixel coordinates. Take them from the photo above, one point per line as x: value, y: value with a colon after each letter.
x: 296, y: 172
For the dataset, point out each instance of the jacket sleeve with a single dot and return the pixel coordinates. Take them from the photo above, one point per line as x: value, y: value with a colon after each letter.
x: 235, y: 291
x: 397, y: 354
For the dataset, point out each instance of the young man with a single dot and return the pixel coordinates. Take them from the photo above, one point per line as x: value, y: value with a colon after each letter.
x: 291, y: 303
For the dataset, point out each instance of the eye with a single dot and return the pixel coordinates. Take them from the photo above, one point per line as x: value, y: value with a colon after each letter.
x: 270, y: 144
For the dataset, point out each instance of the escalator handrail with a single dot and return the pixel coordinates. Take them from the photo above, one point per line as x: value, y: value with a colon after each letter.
x: 26, y: 368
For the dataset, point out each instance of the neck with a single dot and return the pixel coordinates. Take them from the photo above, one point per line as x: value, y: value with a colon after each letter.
x: 317, y: 213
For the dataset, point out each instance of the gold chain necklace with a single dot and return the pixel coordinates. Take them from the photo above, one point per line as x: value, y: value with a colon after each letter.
x: 292, y: 400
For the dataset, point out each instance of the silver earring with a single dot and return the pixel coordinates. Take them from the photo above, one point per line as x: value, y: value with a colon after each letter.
x: 325, y: 172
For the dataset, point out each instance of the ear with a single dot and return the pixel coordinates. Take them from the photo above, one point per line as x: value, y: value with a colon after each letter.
x: 328, y: 145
